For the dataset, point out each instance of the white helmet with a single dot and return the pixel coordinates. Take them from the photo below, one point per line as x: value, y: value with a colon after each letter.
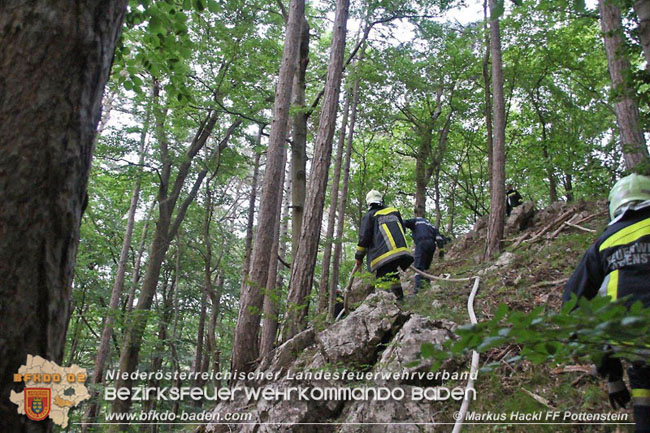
x: 373, y: 197
x: 627, y: 190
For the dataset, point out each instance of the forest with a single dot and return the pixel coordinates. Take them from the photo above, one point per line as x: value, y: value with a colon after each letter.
x: 183, y: 181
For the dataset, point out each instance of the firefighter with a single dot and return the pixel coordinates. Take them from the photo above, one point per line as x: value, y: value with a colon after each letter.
x: 381, y: 237
x: 513, y: 199
x: 426, y: 237
x: 618, y: 265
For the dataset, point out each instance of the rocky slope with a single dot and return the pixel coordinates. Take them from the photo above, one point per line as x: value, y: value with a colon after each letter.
x: 375, y: 340
x: 540, y: 251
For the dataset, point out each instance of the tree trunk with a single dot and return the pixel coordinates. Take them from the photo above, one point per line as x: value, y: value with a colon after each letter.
x: 568, y: 187
x: 299, y: 143
x: 488, y: 102
x: 536, y: 99
x: 497, y: 196
x: 338, y: 243
x: 421, y: 180
x: 248, y: 248
x: 245, y: 348
x: 436, y: 199
x: 135, y: 278
x: 107, y: 333
x: 642, y: 9
x: 452, y: 203
x: 176, y: 382
x: 165, y: 318
x: 323, y: 287
x: 302, y: 270
x: 56, y: 58
x: 200, y: 333
x: 625, y: 100
x: 213, y: 348
x: 271, y: 292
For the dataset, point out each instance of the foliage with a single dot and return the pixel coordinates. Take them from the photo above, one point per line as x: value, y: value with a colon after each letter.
x: 580, y: 330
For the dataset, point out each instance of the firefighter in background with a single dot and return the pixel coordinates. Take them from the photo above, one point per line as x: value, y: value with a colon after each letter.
x: 618, y: 265
x: 426, y: 237
x: 513, y: 199
x: 381, y: 237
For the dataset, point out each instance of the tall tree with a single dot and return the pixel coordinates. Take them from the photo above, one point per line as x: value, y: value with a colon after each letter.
x: 50, y: 105
x: 625, y: 102
x: 323, y: 294
x: 272, y: 290
x: 245, y: 346
x: 338, y: 238
x: 486, y: 89
x: 107, y: 332
x: 498, y: 174
x: 302, y: 270
x: 299, y: 138
x: 250, y: 222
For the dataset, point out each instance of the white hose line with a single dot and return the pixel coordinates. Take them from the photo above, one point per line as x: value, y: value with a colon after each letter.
x: 460, y: 418
x: 460, y: 415
x: 433, y: 277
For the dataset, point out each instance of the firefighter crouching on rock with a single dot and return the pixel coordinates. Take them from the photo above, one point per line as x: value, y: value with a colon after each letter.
x: 381, y: 237
x: 426, y: 237
x: 617, y: 265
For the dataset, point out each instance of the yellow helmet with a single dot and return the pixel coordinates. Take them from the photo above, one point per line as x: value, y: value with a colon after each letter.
x: 632, y: 188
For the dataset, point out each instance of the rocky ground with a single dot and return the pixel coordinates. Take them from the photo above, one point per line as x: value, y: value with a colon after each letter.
x: 381, y: 335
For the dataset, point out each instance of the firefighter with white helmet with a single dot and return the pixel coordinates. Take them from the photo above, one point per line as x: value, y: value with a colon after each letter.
x: 618, y: 265
x: 382, y: 239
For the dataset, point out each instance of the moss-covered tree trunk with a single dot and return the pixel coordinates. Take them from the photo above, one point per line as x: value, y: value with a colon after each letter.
x: 245, y: 348
x: 302, y: 270
x: 498, y: 174
x: 624, y: 95
x: 56, y: 57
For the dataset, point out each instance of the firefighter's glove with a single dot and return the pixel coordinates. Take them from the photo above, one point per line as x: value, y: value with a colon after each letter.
x: 359, y: 263
x: 619, y: 396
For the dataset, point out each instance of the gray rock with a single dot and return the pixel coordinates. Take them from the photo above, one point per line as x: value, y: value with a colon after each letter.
x: 520, y: 218
x: 405, y: 347
x: 504, y: 259
x: 284, y: 355
x: 294, y: 413
x: 355, y: 338
x: 389, y: 416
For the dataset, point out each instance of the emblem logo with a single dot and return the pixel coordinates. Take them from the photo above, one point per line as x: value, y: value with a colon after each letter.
x: 37, y: 403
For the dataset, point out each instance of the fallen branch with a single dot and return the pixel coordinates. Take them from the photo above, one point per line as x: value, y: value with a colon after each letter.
x: 539, y: 399
x: 580, y: 227
x: 590, y: 217
x: 560, y: 219
x: 588, y: 369
x: 520, y: 240
x: 562, y: 226
x: 549, y: 283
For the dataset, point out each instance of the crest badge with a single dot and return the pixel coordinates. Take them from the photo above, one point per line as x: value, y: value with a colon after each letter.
x: 37, y: 403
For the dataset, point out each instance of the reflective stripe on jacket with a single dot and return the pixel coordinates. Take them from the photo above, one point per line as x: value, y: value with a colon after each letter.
x: 618, y: 263
x: 382, y: 237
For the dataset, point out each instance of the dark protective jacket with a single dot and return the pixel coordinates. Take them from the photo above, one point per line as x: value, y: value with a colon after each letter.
x: 618, y: 263
x: 514, y: 198
x: 422, y: 230
x: 381, y: 237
